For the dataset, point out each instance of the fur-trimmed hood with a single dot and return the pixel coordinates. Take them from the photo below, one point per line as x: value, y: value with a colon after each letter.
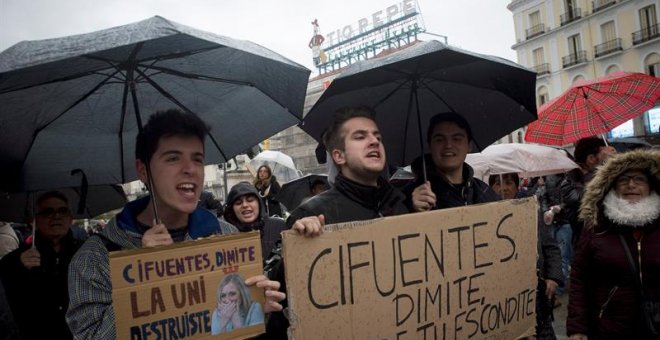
x: 603, y: 181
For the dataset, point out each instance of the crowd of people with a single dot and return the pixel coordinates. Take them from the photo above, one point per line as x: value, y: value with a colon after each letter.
x: 598, y: 231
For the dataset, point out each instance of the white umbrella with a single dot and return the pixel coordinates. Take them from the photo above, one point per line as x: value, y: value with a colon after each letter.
x: 280, y: 163
x: 527, y: 160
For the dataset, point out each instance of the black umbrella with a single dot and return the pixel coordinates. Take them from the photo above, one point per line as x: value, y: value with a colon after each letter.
x: 630, y: 143
x: 408, y: 87
x: 295, y: 191
x: 79, y: 101
x: 94, y: 201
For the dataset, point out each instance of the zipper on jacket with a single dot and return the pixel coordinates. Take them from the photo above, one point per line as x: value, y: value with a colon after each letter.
x: 607, y: 302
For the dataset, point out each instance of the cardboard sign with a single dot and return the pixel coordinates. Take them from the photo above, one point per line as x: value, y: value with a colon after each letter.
x: 179, y: 291
x: 461, y: 273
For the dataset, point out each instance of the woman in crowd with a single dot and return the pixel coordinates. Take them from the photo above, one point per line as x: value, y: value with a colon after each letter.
x: 618, y: 251
x: 508, y: 187
x: 268, y: 188
x: 235, y: 308
x: 247, y: 212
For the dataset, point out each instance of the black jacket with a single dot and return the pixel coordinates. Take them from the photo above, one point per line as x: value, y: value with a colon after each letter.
x: 349, y: 201
x: 269, y: 227
x: 39, y: 297
x: 472, y: 191
x: 553, y: 196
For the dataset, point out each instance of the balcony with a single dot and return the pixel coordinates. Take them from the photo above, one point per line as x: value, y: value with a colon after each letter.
x: 646, y: 34
x: 607, y: 47
x: 574, y: 59
x: 534, y: 31
x: 571, y: 16
x: 541, y: 69
x: 602, y: 4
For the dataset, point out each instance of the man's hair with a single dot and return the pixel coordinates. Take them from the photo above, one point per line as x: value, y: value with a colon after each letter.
x: 450, y: 117
x: 587, y: 146
x: 172, y: 122
x: 512, y: 176
x: 332, y: 137
x: 52, y: 194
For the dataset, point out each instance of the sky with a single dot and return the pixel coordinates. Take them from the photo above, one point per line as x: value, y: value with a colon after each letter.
x: 284, y: 26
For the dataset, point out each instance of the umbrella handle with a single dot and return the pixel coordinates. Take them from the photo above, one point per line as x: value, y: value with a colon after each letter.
x: 83, y: 190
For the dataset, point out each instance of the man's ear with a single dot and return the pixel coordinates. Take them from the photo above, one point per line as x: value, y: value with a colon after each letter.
x: 338, y: 157
x: 592, y: 160
x: 141, y: 169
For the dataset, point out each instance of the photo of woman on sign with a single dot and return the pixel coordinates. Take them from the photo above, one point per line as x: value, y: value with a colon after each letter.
x: 235, y: 308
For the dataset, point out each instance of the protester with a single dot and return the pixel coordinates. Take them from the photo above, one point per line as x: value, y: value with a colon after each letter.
x: 268, y: 188
x: 210, y: 203
x: 548, y: 262
x: 589, y: 154
x: 506, y: 185
x: 358, y: 193
x: 8, y: 239
x: 247, y: 212
x: 35, y: 277
x: 451, y: 181
x: 172, y: 145
x: 621, y: 206
x: 234, y: 308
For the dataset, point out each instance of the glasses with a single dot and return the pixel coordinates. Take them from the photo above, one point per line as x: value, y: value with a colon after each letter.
x: 637, y: 179
x: 50, y: 212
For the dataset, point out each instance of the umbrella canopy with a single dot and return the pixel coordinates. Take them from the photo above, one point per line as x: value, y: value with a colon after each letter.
x: 79, y: 101
x: 17, y: 207
x: 408, y: 87
x: 295, y: 191
x: 280, y: 163
x: 527, y: 160
x: 590, y: 108
x: 629, y: 143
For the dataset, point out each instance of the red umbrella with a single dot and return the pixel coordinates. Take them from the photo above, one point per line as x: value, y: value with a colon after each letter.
x: 590, y: 108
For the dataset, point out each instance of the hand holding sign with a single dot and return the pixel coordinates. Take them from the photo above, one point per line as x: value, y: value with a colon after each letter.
x: 310, y: 226
x: 156, y: 236
x: 273, y: 296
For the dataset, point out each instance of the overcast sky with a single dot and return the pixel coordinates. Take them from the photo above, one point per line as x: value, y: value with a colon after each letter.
x: 484, y: 26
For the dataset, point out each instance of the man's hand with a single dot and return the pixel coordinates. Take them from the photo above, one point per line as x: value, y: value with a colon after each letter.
x: 423, y: 198
x: 271, y: 291
x: 31, y: 258
x: 310, y: 226
x: 550, y: 288
x: 156, y: 236
x: 578, y: 337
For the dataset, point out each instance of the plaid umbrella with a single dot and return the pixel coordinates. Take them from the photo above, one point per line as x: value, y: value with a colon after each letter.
x: 594, y: 107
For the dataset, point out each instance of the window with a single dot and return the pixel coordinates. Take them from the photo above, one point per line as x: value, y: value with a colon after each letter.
x: 652, y: 65
x: 542, y: 96
x: 611, y: 69
x: 574, y: 44
x: 538, y: 56
x: 624, y: 130
x: 535, y: 19
x: 607, y: 31
x: 652, y: 120
x: 647, y: 18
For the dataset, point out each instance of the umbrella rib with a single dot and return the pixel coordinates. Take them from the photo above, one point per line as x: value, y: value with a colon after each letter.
x: 195, y: 76
x: 58, y: 80
x: 437, y: 95
x: 89, y: 93
x: 390, y: 94
x: 178, y: 103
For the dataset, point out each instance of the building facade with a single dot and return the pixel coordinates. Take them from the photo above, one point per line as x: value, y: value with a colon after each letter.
x: 569, y: 40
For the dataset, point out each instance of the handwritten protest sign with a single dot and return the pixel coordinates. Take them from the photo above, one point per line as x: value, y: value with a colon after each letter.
x: 462, y: 273
x: 189, y: 290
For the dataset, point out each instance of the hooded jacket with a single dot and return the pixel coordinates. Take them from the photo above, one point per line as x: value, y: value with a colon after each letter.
x: 90, y: 314
x: 604, y: 300
x: 269, y: 227
x: 473, y: 190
